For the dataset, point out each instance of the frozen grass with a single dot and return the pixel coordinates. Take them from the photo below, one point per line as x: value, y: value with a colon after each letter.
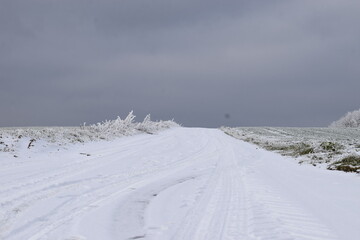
x: 10, y: 138
x: 347, y: 164
x: 325, y: 147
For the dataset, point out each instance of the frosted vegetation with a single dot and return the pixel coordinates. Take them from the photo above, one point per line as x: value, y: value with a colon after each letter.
x: 12, y: 138
x: 331, y: 148
x: 351, y: 119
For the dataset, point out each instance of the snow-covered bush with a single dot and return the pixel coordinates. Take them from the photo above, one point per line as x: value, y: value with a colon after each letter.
x: 119, y: 127
x: 351, y: 119
x: 114, y: 127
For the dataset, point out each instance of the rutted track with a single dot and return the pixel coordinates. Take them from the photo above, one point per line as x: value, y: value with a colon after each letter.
x: 181, y: 184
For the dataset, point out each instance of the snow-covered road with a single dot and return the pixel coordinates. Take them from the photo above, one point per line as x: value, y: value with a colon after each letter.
x: 180, y: 184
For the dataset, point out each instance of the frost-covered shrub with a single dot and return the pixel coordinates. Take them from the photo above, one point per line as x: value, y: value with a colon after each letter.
x: 128, y: 126
x: 351, y: 119
x: 114, y: 127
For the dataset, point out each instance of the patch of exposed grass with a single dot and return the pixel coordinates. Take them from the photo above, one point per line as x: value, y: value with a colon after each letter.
x: 297, y: 149
x: 305, y: 150
x: 331, y: 146
x: 271, y: 147
x: 347, y: 164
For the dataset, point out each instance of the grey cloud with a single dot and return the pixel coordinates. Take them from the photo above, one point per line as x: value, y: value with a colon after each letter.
x: 291, y: 63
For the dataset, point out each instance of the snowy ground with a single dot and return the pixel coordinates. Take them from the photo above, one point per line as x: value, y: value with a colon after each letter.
x: 179, y: 184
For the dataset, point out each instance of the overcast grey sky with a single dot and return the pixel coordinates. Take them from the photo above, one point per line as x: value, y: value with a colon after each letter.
x: 202, y: 62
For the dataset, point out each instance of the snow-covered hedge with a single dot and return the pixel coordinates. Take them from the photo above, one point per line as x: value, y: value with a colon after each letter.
x: 351, y: 119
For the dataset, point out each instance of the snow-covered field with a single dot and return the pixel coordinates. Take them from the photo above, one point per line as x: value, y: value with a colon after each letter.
x: 179, y: 184
x: 323, y: 147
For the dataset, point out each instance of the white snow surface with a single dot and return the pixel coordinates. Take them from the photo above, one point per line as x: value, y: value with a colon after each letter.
x: 178, y: 184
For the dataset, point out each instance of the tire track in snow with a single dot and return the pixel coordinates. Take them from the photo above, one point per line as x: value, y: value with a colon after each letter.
x: 96, y: 197
x: 218, y: 213
x: 17, y: 197
x: 74, y: 166
x: 231, y: 202
x: 237, y: 205
x: 22, y: 196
